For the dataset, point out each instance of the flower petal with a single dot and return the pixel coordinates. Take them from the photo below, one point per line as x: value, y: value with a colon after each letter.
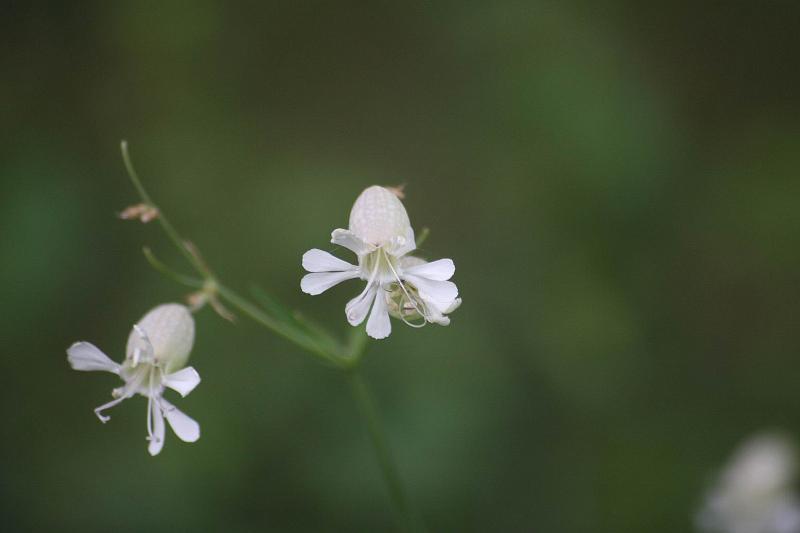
x: 437, y: 314
x: 87, y: 357
x: 357, y: 308
x: 320, y: 282
x: 157, y: 440
x: 316, y: 260
x: 440, y: 270
x: 351, y: 241
x: 378, y: 325
x: 453, y: 306
x: 440, y: 293
x: 183, y: 381
x: 439, y: 319
x: 186, y: 428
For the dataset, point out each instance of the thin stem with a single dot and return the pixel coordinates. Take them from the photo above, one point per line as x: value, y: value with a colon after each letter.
x: 173, y: 235
x: 356, y: 346
x: 177, y: 277
x: 297, y: 321
x: 280, y: 328
x: 366, y: 406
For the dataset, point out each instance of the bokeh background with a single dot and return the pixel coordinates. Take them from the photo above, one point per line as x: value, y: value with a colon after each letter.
x: 616, y: 181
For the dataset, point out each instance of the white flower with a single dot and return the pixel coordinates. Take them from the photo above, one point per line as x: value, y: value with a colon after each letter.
x: 381, y: 236
x: 755, y: 493
x: 158, y: 348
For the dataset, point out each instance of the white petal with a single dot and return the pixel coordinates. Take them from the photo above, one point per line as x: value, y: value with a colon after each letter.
x: 409, y: 261
x: 184, y: 381
x: 440, y: 293
x: 453, y: 306
x: 378, y: 325
x: 437, y: 318
x: 157, y: 441
x: 87, y: 356
x: 357, y: 308
x: 184, y: 426
x: 436, y: 312
x: 316, y: 260
x: 349, y: 240
x: 320, y: 282
x: 440, y: 270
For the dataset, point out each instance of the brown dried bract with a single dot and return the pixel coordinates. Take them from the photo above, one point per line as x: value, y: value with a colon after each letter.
x: 398, y: 190
x: 144, y: 212
x: 208, y: 295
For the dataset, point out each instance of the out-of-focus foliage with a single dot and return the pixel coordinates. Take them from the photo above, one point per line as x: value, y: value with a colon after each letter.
x: 617, y: 183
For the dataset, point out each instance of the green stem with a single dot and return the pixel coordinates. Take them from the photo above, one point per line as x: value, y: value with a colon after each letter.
x: 177, y: 277
x: 280, y: 328
x: 173, y: 235
x: 366, y: 406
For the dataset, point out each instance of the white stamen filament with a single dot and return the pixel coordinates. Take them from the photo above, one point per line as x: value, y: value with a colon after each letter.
x: 149, y: 418
x: 150, y: 435
x: 411, y: 300
x: 103, y: 418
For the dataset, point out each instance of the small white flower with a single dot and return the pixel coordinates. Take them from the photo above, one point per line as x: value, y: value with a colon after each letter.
x: 158, y: 348
x: 406, y: 287
x: 755, y: 492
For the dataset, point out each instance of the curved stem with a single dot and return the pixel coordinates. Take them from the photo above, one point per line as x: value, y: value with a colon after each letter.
x: 177, y: 277
x: 173, y: 235
x: 408, y: 520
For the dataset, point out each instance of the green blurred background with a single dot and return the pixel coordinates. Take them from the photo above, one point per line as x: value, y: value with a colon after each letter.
x: 616, y: 183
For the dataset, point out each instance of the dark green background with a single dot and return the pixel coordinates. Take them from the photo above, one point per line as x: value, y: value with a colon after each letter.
x: 617, y: 183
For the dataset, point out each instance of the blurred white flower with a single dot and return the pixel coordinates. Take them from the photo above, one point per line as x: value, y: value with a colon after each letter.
x: 755, y: 492
x: 158, y: 348
x: 380, y: 234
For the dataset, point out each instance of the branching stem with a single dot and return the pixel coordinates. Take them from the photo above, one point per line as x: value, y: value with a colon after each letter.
x: 296, y: 329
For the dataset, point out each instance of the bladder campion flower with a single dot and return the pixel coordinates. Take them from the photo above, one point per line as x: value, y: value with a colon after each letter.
x: 755, y: 493
x: 406, y: 287
x: 158, y: 348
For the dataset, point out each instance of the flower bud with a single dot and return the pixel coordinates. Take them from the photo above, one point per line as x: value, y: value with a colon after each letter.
x: 378, y: 215
x: 169, y: 328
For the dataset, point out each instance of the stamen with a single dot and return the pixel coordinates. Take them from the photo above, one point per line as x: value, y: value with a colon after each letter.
x: 144, y: 352
x: 408, y: 322
x: 149, y: 418
x: 412, y: 301
x: 108, y: 405
x: 120, y: 394
x: 150, y: 406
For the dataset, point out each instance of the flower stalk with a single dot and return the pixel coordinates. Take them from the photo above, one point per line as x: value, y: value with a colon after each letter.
x: 406, y: 516
x: 293, y: 327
